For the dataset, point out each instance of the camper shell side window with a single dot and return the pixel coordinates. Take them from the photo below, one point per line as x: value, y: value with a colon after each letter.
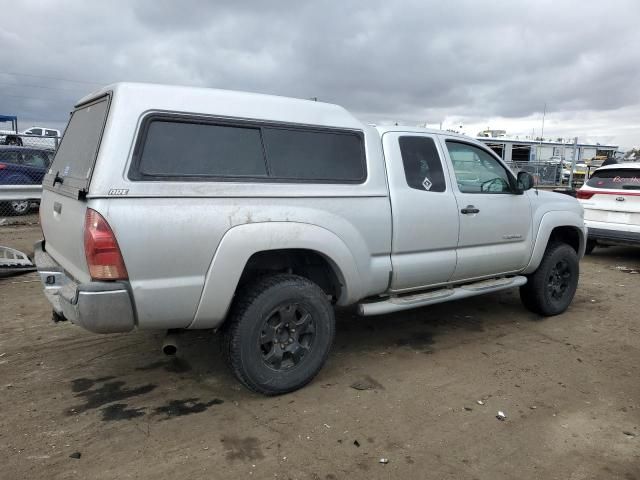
x: 182, y: 148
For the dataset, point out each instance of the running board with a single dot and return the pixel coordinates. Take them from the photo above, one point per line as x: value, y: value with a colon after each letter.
x: 397, y: 303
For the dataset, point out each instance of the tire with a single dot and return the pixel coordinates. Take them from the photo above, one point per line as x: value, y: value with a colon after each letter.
x: 551, y: 288
x: 19, y: 207
x: 591, y: 244
x: 262, y: 321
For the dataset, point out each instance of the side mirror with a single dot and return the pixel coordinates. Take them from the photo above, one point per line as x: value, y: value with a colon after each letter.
x: 525, y: 181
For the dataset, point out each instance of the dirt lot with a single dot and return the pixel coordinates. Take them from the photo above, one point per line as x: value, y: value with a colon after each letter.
x: 569, y: 386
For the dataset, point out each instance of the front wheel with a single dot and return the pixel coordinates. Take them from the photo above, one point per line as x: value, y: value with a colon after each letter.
x: 551, y: 288
x: 279, y: 333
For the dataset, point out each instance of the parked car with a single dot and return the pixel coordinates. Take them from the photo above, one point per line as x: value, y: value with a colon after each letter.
x: 41, y: 132
x: 189, y: 208
x: 40, y: 137
x: 23, y: 166
x: 611, y: 201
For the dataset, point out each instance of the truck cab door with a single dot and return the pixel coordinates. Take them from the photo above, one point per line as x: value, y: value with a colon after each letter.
x: 424, y: 208
x: 495, y: 219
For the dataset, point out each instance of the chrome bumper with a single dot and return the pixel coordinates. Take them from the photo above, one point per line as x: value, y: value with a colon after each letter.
x: 100, y: 307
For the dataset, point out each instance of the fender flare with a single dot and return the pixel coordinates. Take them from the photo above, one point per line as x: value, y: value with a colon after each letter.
x: 549, y: 221
x: 238, y: 245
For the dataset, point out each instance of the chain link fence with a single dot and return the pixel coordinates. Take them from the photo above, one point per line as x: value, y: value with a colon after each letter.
x: 24, y: 161
x: 544, y: 174
x: 548, y: 174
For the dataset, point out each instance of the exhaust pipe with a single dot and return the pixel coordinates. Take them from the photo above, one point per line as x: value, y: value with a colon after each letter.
x: 170, y: 344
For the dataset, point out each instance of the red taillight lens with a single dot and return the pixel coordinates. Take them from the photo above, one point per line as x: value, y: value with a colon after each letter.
x: 101, y: 249
x: 3, y: 166
x: 584, y: 194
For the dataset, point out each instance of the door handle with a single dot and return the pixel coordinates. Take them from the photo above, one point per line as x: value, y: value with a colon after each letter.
x: 57, y: 179
x: 469, y: 209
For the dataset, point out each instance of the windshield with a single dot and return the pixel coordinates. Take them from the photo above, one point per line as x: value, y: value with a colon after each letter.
x: 79, y: 146
x: 616, y: 178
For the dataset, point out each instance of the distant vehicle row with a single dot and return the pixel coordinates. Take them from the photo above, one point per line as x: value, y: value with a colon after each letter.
x: 33, y: 136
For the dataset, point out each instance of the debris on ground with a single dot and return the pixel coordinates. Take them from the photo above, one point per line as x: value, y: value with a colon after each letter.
x: 501, y: 416
x: 625, y: 269
x: 75, y: 455
x: 468, y: 409
x: 384, y: 461
x: 533, y: 407
x: 366, y: 383
x: 480, y: 402
x: 14, y: 262
x: 629, y: 433
x: 356, y: 443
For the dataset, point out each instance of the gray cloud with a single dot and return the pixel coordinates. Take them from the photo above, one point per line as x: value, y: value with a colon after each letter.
x: 407, y: 60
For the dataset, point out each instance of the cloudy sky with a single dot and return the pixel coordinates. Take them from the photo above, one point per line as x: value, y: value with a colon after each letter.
x: 470, y: 63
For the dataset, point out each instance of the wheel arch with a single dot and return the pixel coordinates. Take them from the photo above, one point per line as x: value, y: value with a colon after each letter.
x: 561, y: 226
x: 251, y: 249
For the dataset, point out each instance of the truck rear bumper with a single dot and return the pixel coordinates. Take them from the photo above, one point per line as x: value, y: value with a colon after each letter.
x: 100, y: 307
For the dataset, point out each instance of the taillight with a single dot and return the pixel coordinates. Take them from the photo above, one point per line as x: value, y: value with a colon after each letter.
x: 101, y: 249
x: 3, y: 166
x: 584, y: 194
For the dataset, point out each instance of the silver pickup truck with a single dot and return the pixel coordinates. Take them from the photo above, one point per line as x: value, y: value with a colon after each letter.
x: 188, y: 208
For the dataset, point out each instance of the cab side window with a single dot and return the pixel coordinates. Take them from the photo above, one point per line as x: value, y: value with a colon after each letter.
x: 422, y: 165
x: 476, y: 170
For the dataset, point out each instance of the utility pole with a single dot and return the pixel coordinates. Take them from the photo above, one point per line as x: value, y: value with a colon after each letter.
x: 544, y: 113
x: 573, y: 161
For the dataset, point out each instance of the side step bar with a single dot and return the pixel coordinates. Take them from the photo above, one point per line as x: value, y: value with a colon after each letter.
x: 399, y: 303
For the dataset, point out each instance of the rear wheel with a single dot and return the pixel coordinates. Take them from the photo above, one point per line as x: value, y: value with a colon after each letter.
x: 551, y: 288
x: 279, y: 334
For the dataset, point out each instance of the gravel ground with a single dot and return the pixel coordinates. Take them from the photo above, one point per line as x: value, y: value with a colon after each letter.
x: 429, y: 386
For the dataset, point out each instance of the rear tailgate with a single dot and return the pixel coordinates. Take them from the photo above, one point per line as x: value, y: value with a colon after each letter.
x: 614, y: 207
x: 63, y: 205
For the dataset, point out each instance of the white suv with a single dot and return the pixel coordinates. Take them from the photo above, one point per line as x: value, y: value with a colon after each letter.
x: 611, y: 201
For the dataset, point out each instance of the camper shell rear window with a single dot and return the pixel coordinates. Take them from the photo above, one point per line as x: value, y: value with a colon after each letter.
x: 76, y: 156
x: 178, y: 148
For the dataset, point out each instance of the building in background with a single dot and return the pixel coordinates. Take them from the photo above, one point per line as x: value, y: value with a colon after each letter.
x: 530, y: 150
